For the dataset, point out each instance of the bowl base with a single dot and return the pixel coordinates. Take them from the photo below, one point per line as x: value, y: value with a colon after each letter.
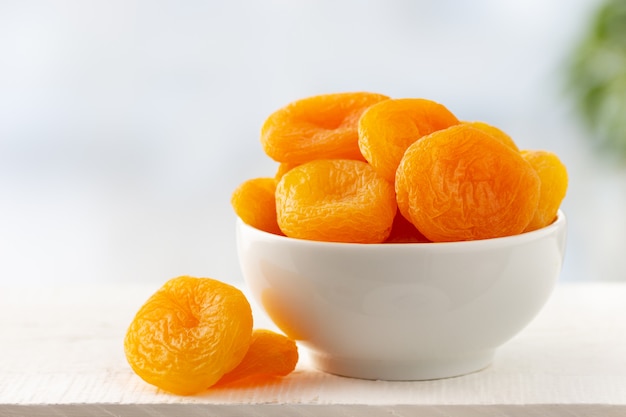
x: 403, y: 370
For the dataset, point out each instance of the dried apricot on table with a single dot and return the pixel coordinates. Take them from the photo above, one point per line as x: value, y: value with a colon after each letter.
x: 335, y: 200
x: 317, y: 127
x: 553, y: 175
x: 386, y: 130
x: 254, y: 202
x: 270, y: 354
x: 189, y: 334
x: 463, y: 184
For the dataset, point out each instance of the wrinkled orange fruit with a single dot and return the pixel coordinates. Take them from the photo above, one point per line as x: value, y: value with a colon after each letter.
x: 461, y: 184
x: 554, y: 181
x: 254, y: 202
x: 335, y: 200
x: 386, y: 130
x: 189, y: 334
x: 283, y: 168
x: 270, y: 355
x: 495, y: 132
x: 317, y: 127
x: 467, y: 181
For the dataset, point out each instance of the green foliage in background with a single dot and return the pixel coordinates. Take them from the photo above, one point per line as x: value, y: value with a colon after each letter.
x: 597, y: 77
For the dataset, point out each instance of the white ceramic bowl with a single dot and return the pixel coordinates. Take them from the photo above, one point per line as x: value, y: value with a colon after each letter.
x: 403, y: 311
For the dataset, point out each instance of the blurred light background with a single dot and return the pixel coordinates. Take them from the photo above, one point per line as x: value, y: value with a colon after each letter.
x: 125, y: 125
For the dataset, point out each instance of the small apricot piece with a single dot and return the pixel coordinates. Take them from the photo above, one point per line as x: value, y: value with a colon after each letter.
x: 283, y: 168
x: 317, y: 127
x: 402, y: 193
x: 189, y: 334
x: 335, y: 200
x: 495, y: 132
x: 386, y: 130
x: 554, y: 180
x: 255, y: 203
x: 270, y: 354
x: 463, y: 184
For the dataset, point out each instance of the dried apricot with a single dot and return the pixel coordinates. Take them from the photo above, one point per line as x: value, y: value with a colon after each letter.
x: 337, y: 200
x: 270, y: 355
x: 554, y: 181
x: 317, y: 127
x: 495, y: 132
x: 255, y: 203
x: 402, y: 193
x: 283, y: 168
x: 189, y: 334
x: 386, y: 130
x: 463, y: 184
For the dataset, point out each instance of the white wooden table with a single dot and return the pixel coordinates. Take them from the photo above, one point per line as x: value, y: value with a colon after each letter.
x: 61, y: 354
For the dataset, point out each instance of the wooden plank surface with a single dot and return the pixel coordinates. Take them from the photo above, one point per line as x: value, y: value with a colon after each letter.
x: 61, y: 352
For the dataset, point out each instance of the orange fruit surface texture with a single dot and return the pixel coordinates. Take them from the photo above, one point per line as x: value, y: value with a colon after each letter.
x: 270, y: 355
x: 189, y: 334
x: 495, y: 132
x: 363, y: 167
x: 554, y: 181
x: 283, y: 168
x: 254, y: 202
x: 336, y: 200
x: 461, y: 183
x: 386, y: 130
x: 317, y: 127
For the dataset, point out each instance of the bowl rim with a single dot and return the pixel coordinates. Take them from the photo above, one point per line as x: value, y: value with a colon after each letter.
x: 559, y: 222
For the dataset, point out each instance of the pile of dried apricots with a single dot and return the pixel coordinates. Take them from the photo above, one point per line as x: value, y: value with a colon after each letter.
x: 362, y: 167
x: 196, y: 333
